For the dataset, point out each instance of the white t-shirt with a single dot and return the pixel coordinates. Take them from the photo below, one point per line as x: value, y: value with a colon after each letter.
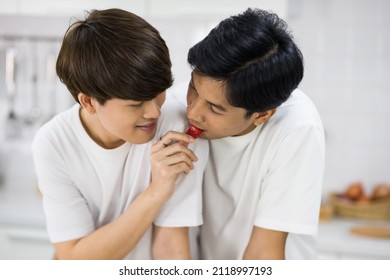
x: 270, y: 178
x: 85, y: 186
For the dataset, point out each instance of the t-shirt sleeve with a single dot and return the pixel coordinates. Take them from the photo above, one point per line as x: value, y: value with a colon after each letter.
x: 291, y: 190
x: 184, y: 208
x: 66, y: 211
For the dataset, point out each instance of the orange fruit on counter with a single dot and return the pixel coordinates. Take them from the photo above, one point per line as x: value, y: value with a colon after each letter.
x: 381, y: 190
x: 355, y: 191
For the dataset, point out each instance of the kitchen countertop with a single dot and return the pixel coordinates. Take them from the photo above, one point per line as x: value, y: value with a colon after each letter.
x: 335, y: 238
x: 23, y: 207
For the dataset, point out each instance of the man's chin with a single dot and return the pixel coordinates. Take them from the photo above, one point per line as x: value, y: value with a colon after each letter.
x: 206, y: 136
x: 140, y: 140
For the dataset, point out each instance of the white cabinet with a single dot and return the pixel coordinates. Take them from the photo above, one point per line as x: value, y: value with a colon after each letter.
x: 24, y: 243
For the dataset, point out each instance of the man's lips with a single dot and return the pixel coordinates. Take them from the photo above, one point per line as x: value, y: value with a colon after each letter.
x: 147, y: 126
x: 196, y: 125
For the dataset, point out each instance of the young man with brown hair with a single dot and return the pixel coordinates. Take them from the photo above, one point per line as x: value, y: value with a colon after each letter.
x: 111, y: 168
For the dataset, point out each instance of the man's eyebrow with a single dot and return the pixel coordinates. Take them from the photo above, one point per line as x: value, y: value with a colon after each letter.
x: 219, y: 107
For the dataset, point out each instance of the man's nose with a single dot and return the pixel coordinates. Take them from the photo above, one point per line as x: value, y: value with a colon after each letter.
x: 195, y: 111
x: 152, y: 109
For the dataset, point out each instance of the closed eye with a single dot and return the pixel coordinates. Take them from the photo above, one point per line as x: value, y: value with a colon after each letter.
x: 213, y: 109
x: 137, y: 105
x: 216, y: 107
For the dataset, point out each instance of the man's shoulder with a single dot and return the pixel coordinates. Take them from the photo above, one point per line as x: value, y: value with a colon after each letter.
x: 59, y: 125
x: 178, y: 92
x: 172, y: 105
x: 297, y: 111
x: 173, y: 113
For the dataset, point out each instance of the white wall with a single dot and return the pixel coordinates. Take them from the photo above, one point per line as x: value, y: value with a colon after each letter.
x: 346, y: 47
x: 146, y: 8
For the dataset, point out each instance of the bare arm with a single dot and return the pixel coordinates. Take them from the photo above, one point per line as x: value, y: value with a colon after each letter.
x: 266, y: 244
x: 171, y: 243
x: 117, y: 238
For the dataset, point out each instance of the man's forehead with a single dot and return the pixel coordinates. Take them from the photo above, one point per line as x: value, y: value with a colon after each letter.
x: 211, y: 89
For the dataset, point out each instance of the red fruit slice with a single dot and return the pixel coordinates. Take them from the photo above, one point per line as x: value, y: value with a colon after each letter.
x: 194, y: 131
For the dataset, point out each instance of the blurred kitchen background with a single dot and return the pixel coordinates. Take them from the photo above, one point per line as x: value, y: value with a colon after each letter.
x: 347, y: 74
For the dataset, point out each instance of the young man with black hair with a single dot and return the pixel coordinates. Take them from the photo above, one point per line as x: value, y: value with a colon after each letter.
x: 262, y: 186
x: 112, y: 168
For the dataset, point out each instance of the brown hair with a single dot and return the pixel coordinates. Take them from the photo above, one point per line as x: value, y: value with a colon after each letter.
x: 114, y: 54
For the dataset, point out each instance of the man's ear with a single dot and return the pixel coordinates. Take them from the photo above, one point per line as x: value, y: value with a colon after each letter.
x: 86, y: 102
x: 262, y: 117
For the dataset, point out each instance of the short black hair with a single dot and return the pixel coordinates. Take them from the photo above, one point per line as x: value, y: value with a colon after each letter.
x: 114, y: 54
x: 256, y: 57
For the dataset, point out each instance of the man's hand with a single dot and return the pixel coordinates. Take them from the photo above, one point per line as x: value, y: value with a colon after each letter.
x: 169, y: 158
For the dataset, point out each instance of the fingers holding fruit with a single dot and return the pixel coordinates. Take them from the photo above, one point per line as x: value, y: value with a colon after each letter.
x: 170, y: 138
x: 174, y: 154
x: 169, y: 158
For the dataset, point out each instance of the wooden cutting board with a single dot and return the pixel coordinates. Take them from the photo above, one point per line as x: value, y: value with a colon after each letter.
x: 372, y: 231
